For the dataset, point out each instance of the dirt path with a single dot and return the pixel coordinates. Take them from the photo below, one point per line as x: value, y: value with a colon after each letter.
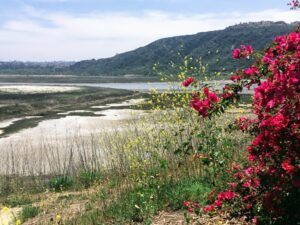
x: 177, y: 218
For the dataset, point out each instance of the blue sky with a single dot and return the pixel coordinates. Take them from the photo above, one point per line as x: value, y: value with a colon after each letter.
x: 47, y: 30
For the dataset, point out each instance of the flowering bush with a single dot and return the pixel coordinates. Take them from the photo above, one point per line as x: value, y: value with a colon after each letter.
x: 267, y: 191
x: 242, y: 52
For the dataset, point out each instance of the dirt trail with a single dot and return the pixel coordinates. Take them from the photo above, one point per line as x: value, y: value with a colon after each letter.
x: 177, y: 218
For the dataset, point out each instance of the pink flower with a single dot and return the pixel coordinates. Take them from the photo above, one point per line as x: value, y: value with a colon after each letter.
x: 286, y: 165
x: 255, y: 220
x: 250, y: 71
x: 186, y: 203
x: 235, y: 78
x: 218, y: 203
x: 266, y: 60
x: 211, y: 96
x: 249, y: 171
x: 202, y: 106
x: 294, y: 4
x: 256, y: 182
x: 188, y: 81
x: 247, y: 184
x: 208, y: 208
x: 236, y: 53
x: 227, y: 195
x: 242, y: 52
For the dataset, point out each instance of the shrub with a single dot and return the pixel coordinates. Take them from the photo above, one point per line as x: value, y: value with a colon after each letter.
x: 60, y: 183
x: 88, y: 178
x: 268, y: 189
x: 29, y: 212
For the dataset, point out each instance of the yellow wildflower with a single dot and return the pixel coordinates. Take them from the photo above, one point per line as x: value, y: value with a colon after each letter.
x: 5, y: 210
x: 58, y: 218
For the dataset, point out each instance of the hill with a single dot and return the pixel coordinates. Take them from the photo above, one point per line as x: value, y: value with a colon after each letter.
x: 163, y: 51
x: 204, y: 44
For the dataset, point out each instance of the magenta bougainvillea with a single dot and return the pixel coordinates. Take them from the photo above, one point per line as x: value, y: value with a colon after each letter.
x: 267, y: 190
x: 294, y: 4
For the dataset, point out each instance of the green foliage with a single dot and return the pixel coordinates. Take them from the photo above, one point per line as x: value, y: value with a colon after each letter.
x: 61, y: 183
x: 175, y: 193
x: 152, y: 196
x: 29, y: 212
x: 88, y: 178
x: 17, y: 200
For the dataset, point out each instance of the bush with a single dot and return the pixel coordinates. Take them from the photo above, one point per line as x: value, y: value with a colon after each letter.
x: 88, y: 178
x: 61, y: 183
x: 29, y: 212
x: 268, y: 189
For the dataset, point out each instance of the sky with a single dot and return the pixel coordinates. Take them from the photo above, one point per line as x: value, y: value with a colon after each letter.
x: 72, y: 30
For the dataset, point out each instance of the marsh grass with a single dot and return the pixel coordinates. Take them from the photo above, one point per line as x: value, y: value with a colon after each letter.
x: 132, y: 171
x: 146, y: 165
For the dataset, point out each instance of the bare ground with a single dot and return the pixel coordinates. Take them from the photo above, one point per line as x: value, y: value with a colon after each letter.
x: 177, y: 218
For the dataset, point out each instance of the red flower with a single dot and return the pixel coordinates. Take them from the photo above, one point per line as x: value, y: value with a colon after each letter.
x: 188, y: 81
x: 247, y: 184
x: 236, y: 53
x: 205, y: 105
x: 294, y: 4
x: 208, y: 208
x: 250, y: 72
x: 186, y: 203
x: 256, y: 182
x: 235, y: 78
x: 249, y: 171
x: 286, y: 165
x: 218, y: 203
x: 202, y: 106
x: 242, y: 52
x: 211, y: 96
x: 227, y: 195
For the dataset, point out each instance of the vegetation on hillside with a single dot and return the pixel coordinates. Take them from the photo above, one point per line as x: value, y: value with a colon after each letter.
x: 214, y: 47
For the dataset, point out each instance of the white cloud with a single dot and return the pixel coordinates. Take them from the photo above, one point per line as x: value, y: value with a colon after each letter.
x: 43, y: 36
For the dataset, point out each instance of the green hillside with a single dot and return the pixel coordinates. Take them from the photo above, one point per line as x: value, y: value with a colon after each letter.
x: 204, y: 44
x: 163, y: 51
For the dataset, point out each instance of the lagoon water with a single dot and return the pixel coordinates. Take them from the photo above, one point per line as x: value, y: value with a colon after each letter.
x: 134, y: 86
x: 57, y: 138
x: 34, y: 150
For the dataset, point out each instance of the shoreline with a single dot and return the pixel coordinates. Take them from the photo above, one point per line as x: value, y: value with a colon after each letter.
x: 27, y: 110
